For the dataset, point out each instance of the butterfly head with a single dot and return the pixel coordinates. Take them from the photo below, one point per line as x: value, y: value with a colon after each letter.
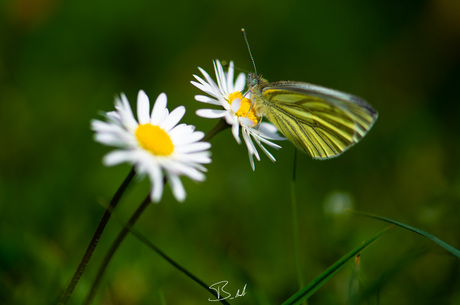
x: 253, y: 80
x: 256, y: 84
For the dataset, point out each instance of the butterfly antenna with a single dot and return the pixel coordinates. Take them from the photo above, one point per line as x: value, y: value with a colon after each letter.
x: 249, y: 49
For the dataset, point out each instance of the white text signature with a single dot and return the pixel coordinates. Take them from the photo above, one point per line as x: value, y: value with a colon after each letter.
x: 222, y: 294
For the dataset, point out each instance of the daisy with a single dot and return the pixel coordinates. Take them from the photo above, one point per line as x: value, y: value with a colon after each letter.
x: 154, y: 143
x: 237, y: 109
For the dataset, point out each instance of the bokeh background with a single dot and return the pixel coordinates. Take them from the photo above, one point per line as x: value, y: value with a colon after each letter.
x: 61, y: 64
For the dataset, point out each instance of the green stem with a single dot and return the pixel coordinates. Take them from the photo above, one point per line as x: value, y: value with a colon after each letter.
x: 95, y: 240
x: 221, y: 125
x: 144, y: 240
x: 121, y: 236
x: 295, y: 226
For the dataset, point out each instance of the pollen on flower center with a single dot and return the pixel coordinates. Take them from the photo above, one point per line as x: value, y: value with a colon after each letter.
x: 244, y: 108
x: 154, y: 139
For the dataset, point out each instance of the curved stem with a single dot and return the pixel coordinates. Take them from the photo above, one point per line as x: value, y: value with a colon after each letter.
x: 95, y: 240
x: 121, y: 236
x: 220, y: 126
x: 147, y: 242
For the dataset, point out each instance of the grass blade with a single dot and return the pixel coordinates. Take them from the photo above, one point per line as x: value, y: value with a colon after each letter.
x: 321, y: 279
x: 176, y: 265
x: 443, y: 244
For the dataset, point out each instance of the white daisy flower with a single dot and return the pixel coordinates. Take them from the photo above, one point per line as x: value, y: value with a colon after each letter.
x: 154, y: 143
x: 237, y: 109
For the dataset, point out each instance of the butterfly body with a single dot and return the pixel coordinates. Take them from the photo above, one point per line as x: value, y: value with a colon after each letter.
x: 320, y: 121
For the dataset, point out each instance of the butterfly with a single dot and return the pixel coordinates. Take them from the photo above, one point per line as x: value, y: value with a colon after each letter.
x: 320, y: 121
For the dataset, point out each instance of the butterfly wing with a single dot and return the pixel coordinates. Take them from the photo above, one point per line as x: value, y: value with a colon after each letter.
x: 321, y: 121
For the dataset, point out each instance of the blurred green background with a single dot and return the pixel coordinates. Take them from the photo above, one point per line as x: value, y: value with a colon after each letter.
x: 61, y: 64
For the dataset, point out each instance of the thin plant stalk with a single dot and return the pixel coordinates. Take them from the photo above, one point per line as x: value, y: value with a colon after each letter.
x: 295, y: 227
x: 121, y: 236
x: 220, y: 126
x: 95, y: 239
x: 326, y: 275
x: 147, y: 242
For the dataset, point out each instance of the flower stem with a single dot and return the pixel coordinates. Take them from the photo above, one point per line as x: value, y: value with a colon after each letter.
x: 121, y: 236
x: 295, y: 226
x: 220, y: 126
x: 95, y: 240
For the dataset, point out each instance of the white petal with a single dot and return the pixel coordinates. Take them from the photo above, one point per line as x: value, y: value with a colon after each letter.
x: 174, y: 117
x: 100, y: 126
x: 209, y: 79
x: 269, y: 131
x: 201, y: 81
x: 177, y: 187
x: 181, y: 131
x: 111, y: 140
x: 158, y: 110
x: 114, y: 117
x: 221, y: 79
x: 246, y: 121
x: 251, y: 161
x: 182, y: 138
x: 240, y: 82
x: 157, y: 182
x: 185, y: 169
x: 103, y: 127
x: 194, y: 147
x: 231, y: 119
x: 250, y: 145
x: 235, y: 132
x: 198, y: 158
x: 207, y: 100
x: 262, y: 138
x: 230, y: 75
x: 236, y: 104
x: 269, y: 155
x: 143, y: 108
x: 207, y: 89
x: 118, y: 156
x: 211, y: 113
x: 126, y: 114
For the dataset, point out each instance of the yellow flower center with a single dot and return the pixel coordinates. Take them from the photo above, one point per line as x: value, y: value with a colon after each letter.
x: 244, y: 108
x: 154, y: 139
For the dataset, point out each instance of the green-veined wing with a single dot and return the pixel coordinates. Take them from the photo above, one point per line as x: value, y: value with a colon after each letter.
x: 321, y: 121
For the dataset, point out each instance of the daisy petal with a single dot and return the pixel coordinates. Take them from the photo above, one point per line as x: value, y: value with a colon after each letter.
x: 143, y: 108
x: 126, y: 114
x: 158, y: 110
x: 157, y: 182
x: 250, y: 145
x: 177, y: 187
x: 240, y: 82
x: 189, y: 138
x: 230, y: 77
x: 207, y: 100
x: 174, y: 117
x: 226, y: 92
x: 194, y: 147
x: 117, y: 156
x: 149, y: 149
x: 236, y: 132
x: 211, y: 113
x: 236, y: 105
